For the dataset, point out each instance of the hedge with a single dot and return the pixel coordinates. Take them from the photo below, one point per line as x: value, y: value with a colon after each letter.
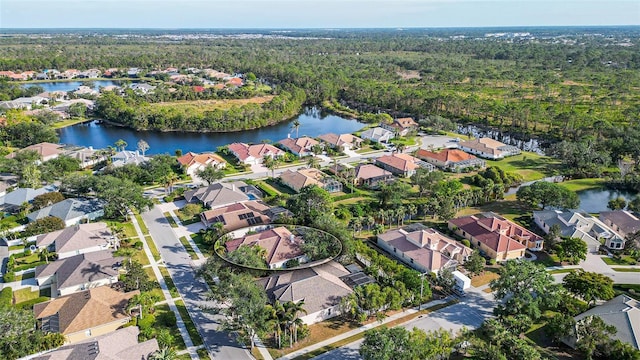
x: 6, y: 296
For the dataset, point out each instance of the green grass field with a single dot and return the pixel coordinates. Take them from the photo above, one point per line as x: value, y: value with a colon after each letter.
x: 582, y: 184
x: 529, y: 165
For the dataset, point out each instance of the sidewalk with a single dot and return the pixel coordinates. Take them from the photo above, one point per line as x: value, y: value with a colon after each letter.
x: 193, y: 352
x: 359, y: 330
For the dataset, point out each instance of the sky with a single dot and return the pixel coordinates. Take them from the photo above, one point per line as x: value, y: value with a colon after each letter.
x: 166, y: 14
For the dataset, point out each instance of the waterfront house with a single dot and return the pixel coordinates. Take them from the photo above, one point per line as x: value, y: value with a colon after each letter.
x: 372, y: 176
x: 341, y: 142
x: 488, y: 148
x: 579, y: 225
x: 193, y: 162
x: 450, y: 159
x: 321, y: 288
x: 126, y: 157
x: 79, y: 272
x: 133, y: 72
x: 424, y: 249
x: 86, y: 314
x: 496, y: 236
x: 401, y: 164
x: 280, y: 246
x: 121, y: 344
x: 621, y: 221
x: 378, y: 134
x: 71, y: 211
x: 300, y: 147
x: 298, y: 179
x: 254, y: 154
x: 401, y: 126
x: 77, y: 239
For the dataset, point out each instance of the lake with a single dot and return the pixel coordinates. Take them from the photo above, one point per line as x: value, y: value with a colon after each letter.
x: 313, y: 122
x: 70, y: 85
x: 595, y: 200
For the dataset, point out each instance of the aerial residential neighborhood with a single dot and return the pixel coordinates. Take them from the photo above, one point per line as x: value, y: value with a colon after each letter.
x: 329, y: 193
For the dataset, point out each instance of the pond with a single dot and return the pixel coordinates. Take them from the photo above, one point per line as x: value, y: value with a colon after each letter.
x: 70, y: 85
x: 313, y: 122
x: 595, y: 200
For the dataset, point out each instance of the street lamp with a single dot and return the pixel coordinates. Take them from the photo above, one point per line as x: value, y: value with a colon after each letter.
x: 421, y: 289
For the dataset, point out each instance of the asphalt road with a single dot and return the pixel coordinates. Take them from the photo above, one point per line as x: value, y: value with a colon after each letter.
x: 193, y: 290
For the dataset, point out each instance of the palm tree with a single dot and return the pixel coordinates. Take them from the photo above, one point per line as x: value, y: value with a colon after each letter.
x: 164, y: 354
x: 370, y: 222
x: 400, y: 213
x: 142, y: 300
x: 313, y: 162
x: 382, y: 215
x: 390, y: 215
x: 412, y: 210
x: 296, y: 125
x: 169, y: 180
x: 276, y: 313
x: 292, y: 309
x: 45, y: 254
x: 120, y: 144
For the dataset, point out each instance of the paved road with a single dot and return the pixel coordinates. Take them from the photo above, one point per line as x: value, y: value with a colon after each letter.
x: 220, y: 344
x: 470, y: 313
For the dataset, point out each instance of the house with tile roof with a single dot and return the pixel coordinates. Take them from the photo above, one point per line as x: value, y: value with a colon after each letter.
x: 86, y: 314
x: 121, y: 344
x: 496, y: 236
x: 321, y: 288
x: 80, y: 272
x: 341, y: 142
x: 450, y: 159
x: 623, y: 222
x: 299, y: 146
x: 372, y: 176
x: 193, y: 162
x: 237, y: 215
x: 253, y: 154
x: 71, y: 211
x: 47, y: 151
x: 401, y: 126
x: 77, y: 239
x: 621, y: 312
x: 424, y: 249
x: 298, y: 179
x: 579, y: 225
x: 222, y: 194
x: 377, y: 134
x: 280, y: 246
x: 488, y: 148
x: 401, y: 164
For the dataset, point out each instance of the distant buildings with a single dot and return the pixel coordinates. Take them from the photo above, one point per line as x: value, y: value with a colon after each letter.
x: 401, y: 164
x: 450, y: 159
x: 488, y: 148
x: 401, y: 126
x: 377, y: 134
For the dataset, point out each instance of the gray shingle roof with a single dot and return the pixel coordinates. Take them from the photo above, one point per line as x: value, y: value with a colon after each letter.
x: 218, y: 194
x: 622, y: 312
x: 81, y: 269
x: 68, y: 209
x: 21, y: 195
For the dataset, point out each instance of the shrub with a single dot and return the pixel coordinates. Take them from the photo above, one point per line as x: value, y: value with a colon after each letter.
x: 167, y: 319
x: 138, y: 245
x: 146, y: 322
x: 9, y: 277
x: 466, y: 243
x: 6, y: 296
x: 492, y: 261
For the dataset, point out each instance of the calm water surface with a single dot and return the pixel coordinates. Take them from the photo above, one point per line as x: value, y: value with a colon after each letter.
x: 312, y: 123
x: 595, y: 200
x: 71, y: 85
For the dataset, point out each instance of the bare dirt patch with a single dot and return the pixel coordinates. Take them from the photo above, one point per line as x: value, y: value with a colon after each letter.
x: 409, y: 74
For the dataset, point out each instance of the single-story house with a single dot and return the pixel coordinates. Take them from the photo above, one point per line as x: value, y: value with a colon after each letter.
x: 424, y: 249
x: 133, y: 72
x: 71, y: 211
x: 142, y: 88
x: 296, y: 180
x: 342, y: 141
x: 372, y: 176
x: 47, y: 151
x: 86, y: 314
x: 121, y: 344
x: 401, y: 164
x: 12, y: 201
x: 237, y: 215
x: 80, y: 272
x: 78, y: 239
x: 621, y: 221
x: 86, y: 156
x: 222, y: 194
x: 193, y: 162
x: 280, y: 246
x: 320, y: 287
x: 300, y: 146
x: 450, y: 159
x: 254, y: 154
x: 377, y: 134
x: 488, y: 148
x: 125, y: 157
x: 621, y: 312
x: 496, y: 236
x: 401, y: 126
x: 579, y: 225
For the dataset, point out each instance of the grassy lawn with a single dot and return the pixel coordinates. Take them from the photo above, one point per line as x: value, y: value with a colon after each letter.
x: 68, y: 122
x: 160, y: 310
x: 205, y: 249
x: 528, y: 164
x: 547, y: 259
x: 169, y: 218
x: 632, y: 290
x: 187, y: 246
x: 510, y: 209
x: 624, y: 260
x: 28, y: 262
x: 142, y: 225
x: 141, y: 257
x: 353, y: 200
x: 129, y: 230
x: 280, y: 188
x: 191, y: 327
x: 25, y: 298
x: 29, y: 275
x: 625, y: 269
x: 152, y: 247
x: 170, y: 285
x: 561, y: 271
x: 16, y: 247
x: 485, y: 278
x: 11, y: 221
x: 582, y: 184
x: 186, y: 220
x: 267, y: 189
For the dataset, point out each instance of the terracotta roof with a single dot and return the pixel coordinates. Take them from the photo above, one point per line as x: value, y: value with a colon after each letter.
x: 190, y: 158
x: 369, y: 171
x: 77, y: 237
x: 44, y: 149
x: 279, y: 243
x: 339, y: 140
x: 485, y: 145
x: 298, y: 145
x: 234, y: 216
x: 405, y: 122
x: 302, y: 177
x: 446, y: 155
x: 402, y: 162
x: 244, y: 151
x: 87, y: 309
x: 496, y: 233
